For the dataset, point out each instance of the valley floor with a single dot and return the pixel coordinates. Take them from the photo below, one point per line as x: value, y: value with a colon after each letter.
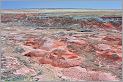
x: 59, y: 55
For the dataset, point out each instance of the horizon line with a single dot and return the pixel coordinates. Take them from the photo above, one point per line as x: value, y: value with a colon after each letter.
x: 60, y: 8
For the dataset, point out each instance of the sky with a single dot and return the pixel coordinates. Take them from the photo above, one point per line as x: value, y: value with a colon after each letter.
x: 95, y: 4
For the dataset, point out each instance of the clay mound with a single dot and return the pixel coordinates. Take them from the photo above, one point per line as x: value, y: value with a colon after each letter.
x: 109, y: 52
x: 112, y: 38
x: 35, y: 43
x: 45, y: 44
x: 109, y: 55
x: 57, y: 58
x: 108, y: 25
x: 36, y: 53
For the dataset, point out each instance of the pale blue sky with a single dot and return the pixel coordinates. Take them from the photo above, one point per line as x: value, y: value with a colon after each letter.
x: 104, y: 4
